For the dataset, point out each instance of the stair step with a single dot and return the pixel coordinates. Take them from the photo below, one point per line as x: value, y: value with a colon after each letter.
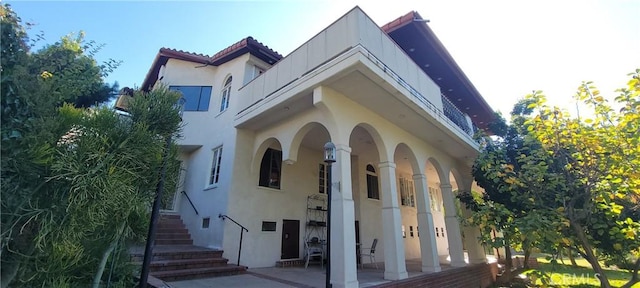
x: 199, y: 273
x: 175, y: 252
x: 170, y: 216
x: 161, y: 230
x: 172, y: 235
x: 173, y: 242
x: 182, y: 264
x: 161, y: 225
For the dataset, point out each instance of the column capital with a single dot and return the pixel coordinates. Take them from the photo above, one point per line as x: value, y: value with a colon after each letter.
x: 387, y: 164
x: 343, y: 147
x: 446, y: 186
x: 417, y: 177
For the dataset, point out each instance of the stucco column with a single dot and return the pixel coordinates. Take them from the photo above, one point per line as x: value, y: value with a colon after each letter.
x: 395, y: 267
x: 428, y: 246
x: 471, y: 236
x: 343, y: 235
x: 453, y: 227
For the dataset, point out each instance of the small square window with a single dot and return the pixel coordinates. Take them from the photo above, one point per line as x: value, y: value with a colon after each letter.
x: 268, y: 226
x: 411, y: 231
x: 205, y: 222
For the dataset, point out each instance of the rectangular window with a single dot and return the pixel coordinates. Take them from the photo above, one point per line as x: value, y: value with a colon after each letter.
x: 322, y: 178
x: 268, y: 226
x: 196, y: 97
x: 215, y: 166
x: 205, y: 222
x: 434, y: 198
x: 407, y: 197
x: 257, y: 71
x: 372, y: 187
x: 224, y: 104
x: 404, y: 233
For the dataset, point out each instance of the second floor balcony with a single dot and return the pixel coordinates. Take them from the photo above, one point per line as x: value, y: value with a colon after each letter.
x: 358, y: 59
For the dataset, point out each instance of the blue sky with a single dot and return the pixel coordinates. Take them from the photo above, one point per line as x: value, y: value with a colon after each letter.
x: 506, y: 48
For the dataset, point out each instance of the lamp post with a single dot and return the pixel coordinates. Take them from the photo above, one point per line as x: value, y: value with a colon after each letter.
x: 329, y: 158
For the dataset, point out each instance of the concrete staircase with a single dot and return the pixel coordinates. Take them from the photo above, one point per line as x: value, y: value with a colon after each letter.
x: 176, y: 258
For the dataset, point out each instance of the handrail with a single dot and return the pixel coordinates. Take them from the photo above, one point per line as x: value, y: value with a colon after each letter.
x: 242, y: 229
x: 193, y: 206
x: 462, y: 126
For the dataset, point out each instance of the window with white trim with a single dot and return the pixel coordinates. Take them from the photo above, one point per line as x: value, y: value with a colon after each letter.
x: 434, y: 198
x: 322, y: 178
x: 214, y: 176
x: 226, y: 94
x: 407, y: 197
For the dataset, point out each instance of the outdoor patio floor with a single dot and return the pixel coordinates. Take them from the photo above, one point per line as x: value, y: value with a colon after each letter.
x: 314, y: 276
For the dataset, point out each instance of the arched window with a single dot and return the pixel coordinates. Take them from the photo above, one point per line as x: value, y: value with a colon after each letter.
x: 270, y: 169
x: 226, y: 94
x: 372, y: 183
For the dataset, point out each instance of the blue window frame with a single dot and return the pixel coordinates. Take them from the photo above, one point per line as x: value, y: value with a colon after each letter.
x: 196, y: 97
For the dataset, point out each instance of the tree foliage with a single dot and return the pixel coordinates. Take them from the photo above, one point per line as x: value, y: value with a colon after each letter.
x: 557, y: 181
x: 77, y: 182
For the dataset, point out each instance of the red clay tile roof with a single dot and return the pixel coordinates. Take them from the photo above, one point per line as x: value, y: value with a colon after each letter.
x: 184, y: 55
x: 234, y: 47
x: 246, y: 45
x: 400, y: 21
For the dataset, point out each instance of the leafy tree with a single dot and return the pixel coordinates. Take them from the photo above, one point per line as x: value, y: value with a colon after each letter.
x: 557, y: 181
x: 599, y: 158
x: 76, y: 182
x: 508, y: 205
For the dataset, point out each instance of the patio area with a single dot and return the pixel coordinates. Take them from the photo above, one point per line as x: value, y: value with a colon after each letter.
x: 314, y: 276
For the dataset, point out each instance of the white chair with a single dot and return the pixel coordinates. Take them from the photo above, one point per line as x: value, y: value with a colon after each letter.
x: 371, y: 253
x: 314, y: 248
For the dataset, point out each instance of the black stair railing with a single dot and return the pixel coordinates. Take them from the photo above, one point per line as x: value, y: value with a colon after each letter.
x: 190, y: 202
x: 242, y: 229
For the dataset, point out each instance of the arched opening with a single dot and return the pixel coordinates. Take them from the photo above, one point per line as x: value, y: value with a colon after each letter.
x: 366, y: 192
x: 271, y: 169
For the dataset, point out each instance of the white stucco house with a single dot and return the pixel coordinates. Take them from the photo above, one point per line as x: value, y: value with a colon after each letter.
x: 394, y: 102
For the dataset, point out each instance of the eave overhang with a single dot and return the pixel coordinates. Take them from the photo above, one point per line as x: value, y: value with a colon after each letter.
x: 246, y: 45
x: 414, y: 36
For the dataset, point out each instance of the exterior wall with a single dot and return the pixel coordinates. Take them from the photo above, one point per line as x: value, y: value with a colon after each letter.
x: 250, y: 204
x: 202, y: 132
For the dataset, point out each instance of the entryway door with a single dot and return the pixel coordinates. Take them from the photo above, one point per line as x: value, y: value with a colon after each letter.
x: 290, y: 239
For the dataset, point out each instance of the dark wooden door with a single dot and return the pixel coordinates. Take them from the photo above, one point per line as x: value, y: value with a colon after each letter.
x: 290, y: 239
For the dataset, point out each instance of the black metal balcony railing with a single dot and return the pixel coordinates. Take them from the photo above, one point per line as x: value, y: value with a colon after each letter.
x: 455, y: 115
x: 450, y: 112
